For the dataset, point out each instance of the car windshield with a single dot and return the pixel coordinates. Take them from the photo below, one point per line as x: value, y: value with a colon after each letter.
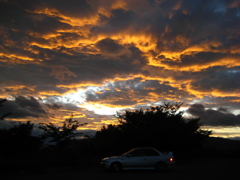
x: 141, y: 152
x: 124, y: 154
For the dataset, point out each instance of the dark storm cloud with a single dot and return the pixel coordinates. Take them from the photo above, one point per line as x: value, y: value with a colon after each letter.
x: 31, y: 77
x: 20, y: 21
x: 225, y: 81
x: 23, y: 107
x: 218, y: 78
x: 110, y: 47
x: 100, y: 68
x: 199, y: 59
x: 206, y: 24
x: 231, y: 102
x: 29, y: 74
x: 70, y: 8
x: 220, y: 117
x: 118, y: 21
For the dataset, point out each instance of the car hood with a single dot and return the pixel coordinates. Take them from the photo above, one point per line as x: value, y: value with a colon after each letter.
x: 111, y: 157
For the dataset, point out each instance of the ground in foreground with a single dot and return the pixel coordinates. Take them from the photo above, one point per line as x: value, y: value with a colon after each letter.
x: 200, y: 168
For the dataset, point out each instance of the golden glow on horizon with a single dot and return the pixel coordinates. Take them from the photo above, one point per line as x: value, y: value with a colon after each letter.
x: 226, y: 132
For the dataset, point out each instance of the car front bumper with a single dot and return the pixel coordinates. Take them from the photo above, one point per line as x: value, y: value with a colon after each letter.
x: 105, y: 165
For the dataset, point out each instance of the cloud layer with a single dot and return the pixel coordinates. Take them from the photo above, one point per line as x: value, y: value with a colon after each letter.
x: 211, y: 117
x: 114, y: 54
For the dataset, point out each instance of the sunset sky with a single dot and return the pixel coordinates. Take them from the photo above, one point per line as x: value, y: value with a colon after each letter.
x: 93, y: 58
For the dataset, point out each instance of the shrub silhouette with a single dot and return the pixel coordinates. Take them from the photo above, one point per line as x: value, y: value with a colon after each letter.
x: 162, y: 127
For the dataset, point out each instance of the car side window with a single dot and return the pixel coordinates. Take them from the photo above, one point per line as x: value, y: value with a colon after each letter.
x: 138, y: 152
x: 151, y: 152
x: 144, y: 152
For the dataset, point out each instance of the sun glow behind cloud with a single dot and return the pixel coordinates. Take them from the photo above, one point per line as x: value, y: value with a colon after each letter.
x: 79, y: 99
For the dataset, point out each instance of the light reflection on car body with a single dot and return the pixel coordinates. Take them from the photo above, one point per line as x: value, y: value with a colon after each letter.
x: 140, y: 158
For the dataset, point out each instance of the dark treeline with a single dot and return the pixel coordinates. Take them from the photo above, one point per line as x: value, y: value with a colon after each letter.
x: 162, y: 127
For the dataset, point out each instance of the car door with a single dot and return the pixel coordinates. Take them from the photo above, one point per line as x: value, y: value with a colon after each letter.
x: 151, y: 158
x: 136, y: 158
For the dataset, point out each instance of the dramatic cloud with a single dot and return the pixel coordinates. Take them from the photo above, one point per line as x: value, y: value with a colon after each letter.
x: 23, y: 107
x: 92, y: 58
x: 219, y: 117
x: 109, y: 47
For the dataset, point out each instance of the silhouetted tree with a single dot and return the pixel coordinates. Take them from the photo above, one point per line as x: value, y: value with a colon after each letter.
x: 63, y: 135
x: 6, y: 114
x: 162, y: 127
x: 19, y: 142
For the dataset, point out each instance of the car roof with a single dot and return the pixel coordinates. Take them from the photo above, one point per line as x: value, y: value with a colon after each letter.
x: 145, y: 148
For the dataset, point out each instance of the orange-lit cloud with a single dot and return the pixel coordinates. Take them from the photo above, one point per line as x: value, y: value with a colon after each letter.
x: 92, y: 58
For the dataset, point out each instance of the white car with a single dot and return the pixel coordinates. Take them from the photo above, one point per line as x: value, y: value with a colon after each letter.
x: 140, y: 158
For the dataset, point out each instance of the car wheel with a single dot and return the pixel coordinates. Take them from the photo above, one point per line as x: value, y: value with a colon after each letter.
x: 161, y: 167
x: 116, y: 167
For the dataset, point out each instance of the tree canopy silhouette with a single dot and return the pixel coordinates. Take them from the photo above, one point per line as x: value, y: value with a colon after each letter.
x: 6, y: 114
x: 162, y: 127
x: 63, y: 135
x: 19, y: 142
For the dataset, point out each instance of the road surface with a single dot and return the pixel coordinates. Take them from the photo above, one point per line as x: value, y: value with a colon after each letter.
x: 198, y: 169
